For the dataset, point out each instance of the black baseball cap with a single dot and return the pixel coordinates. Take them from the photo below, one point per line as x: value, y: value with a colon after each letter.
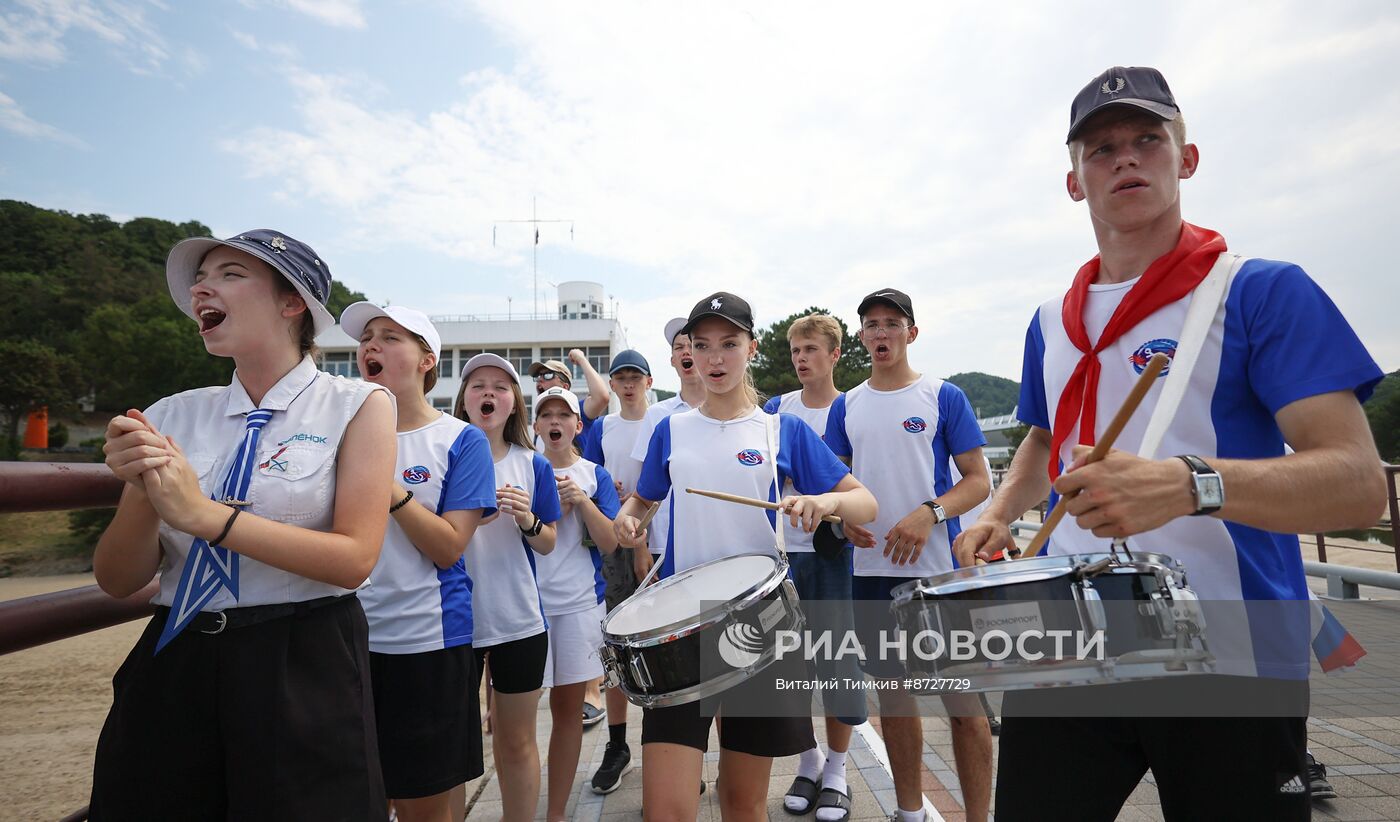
x: 721, y: 304
x: 1143, y: 88
x: 629, y: 358
x: 888, y: 296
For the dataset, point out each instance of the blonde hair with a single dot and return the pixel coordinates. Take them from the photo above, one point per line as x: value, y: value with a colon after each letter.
x: 1176, y: 127
x: 517, y: 430
x: 817, y: 324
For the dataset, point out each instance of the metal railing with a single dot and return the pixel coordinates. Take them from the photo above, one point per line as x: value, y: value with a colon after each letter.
x: 36, y: 620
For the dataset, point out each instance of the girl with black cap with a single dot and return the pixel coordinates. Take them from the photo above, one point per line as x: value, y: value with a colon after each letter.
x: 248, y: 694
x: 724, y: 445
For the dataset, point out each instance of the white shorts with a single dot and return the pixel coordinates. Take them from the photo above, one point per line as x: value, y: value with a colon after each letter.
x: 573, y: 647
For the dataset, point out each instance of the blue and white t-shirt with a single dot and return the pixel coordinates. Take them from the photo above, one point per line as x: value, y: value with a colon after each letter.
x: 901, y: 444
x: 411, y: 604
x: 661, y: 523
x: 798, y: 541
x: 500, y: 562
x: 1277, y: 338
x: 610, y: 443
x: 690, y: 450
x: 571, y: 576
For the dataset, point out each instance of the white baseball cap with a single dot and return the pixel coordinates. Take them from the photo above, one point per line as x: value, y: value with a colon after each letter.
x: 557, y: 393
x: 490, y: 359
x: 673, y: 328
x: 358, y: 315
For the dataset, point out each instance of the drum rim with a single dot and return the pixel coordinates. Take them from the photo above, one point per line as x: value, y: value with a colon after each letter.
x: 1142, y: 562
x: 685, y: 627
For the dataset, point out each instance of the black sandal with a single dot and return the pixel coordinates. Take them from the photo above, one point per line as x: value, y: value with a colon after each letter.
x: 832, y: 798
x: 802, y: 788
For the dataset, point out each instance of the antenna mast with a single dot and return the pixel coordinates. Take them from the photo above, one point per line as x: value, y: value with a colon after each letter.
x: 535, y: 247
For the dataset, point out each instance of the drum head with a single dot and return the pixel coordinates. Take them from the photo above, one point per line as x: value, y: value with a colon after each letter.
x: 689, y: 594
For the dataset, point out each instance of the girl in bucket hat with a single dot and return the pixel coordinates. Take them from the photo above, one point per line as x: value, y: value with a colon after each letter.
x: 419, y: 607
x: 248, y: 694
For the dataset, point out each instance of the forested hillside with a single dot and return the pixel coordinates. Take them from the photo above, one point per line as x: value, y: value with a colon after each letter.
x: 990, y: 396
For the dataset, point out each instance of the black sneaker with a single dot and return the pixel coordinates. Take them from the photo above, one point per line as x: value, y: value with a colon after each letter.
x: 1317, y: 780
x: 617, y: 761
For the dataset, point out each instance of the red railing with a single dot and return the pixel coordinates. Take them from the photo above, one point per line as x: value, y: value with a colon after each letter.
x: 36, y: 620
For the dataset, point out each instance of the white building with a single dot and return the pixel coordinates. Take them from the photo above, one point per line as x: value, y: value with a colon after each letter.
x: 581, y: 322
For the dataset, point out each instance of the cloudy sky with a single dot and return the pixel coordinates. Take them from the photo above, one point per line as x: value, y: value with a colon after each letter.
x: 798, y: 154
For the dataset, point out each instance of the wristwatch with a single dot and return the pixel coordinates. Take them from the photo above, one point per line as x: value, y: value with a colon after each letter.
x: 939, y: 515
x: 1206, y: 486
x: 534, y: 530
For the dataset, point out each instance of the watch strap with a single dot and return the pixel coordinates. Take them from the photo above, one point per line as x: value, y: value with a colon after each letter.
x: 1199, y: 468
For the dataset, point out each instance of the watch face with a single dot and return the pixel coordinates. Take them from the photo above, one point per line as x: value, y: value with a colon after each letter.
x: 1210, y: 491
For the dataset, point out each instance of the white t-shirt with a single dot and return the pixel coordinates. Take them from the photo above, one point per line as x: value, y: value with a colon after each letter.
x: 293, y: 480
x: 661, y: 523
x: 690, y: 450
x: 798, y: 541
x: 500, y: 562
x: 1277, y: 338
x: 411, y: 604
x: 610, y: 443
x: 571, y: 576
x: 901, y: 444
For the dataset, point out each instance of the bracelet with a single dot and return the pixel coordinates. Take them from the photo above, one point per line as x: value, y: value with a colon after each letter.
x: 401, y: 503
x: 535, y: 528
x: 228, y: 526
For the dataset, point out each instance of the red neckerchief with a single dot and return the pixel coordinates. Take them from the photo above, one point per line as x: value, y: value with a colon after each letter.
x: 1169, y: 278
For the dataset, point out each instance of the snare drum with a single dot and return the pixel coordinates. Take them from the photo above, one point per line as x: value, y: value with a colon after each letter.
x: 1151, y: 621
x: 699, y: 632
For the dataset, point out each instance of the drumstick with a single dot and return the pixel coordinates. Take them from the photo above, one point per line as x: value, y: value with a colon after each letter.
x: 646, y: 520
x: 1125, y: 412
x: 756, y: 503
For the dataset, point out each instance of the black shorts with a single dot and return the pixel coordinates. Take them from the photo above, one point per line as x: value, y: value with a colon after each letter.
x: 429, y: 720
x: 269, y: 721
x: 777, y: 735
x: 619, y: 580
x: 516, y: 667
x: 1084, y: 767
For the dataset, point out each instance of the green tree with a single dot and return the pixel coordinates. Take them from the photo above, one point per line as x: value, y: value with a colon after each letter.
x: 1383, y: 413
x: 772, y: 368
x: 136, y: 354
x: 35, y: 376
x: 340, y: 298
x: 991, y: 396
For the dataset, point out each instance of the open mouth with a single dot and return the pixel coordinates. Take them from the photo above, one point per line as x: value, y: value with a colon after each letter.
x: 373, y: 368
x: 555, y: 436
x: 882, y: 349
x: 488, y: 408
x: 687, y: 363
x: 210, y: 318
x: 716, y: 375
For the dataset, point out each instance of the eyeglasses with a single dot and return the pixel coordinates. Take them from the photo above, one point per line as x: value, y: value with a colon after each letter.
x: 889, y: 327
x: 548, y: 376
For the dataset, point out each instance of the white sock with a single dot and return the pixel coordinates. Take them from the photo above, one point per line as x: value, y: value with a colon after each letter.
x: 809, y: 764
x: 833, y: 777
x: 911, y: 816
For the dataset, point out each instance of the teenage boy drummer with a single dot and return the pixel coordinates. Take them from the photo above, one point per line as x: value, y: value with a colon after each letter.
x: 1279, y: 365
x: 900, y: 430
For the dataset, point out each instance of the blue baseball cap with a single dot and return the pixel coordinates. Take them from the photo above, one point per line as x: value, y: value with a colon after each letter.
x: 293, y: 259
x: 1136, y: 86
x: 629, y: 359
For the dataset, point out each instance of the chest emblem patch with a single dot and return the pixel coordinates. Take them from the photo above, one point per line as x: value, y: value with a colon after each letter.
x: 1145, y: 351
x: 915, y: 425
x: 749, y: 457
x: 416, y: 475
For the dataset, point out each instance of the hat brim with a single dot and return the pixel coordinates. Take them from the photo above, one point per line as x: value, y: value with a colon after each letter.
x: 866, y: 303
x: 494, y: 360
x: 357, y: 316
x: 694, y: 321
x: 632, y: 366
x: 674, y: 328
x: 184, y: 260
x: 1162, y: 110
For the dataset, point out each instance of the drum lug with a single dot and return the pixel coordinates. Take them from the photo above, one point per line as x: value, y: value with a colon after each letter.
x: 640, y: 671
x: 1091, y: 611
x: 611, y: 679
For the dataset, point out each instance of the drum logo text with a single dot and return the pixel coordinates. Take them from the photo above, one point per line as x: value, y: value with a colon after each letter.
x: 740, y: 645
x: 750, y: 457
x: 1145, y: 351
x: 915, y: 425
x: 416, y: 475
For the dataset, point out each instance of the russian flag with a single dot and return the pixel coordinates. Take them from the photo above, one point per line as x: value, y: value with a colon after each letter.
x: 1332, y: 644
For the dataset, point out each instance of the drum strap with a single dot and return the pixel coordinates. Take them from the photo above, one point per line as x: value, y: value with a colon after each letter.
x: 771, y: 424
x: 1205, y: 302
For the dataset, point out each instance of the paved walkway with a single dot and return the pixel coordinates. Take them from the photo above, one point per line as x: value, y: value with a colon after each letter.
x: 1358, y: 738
